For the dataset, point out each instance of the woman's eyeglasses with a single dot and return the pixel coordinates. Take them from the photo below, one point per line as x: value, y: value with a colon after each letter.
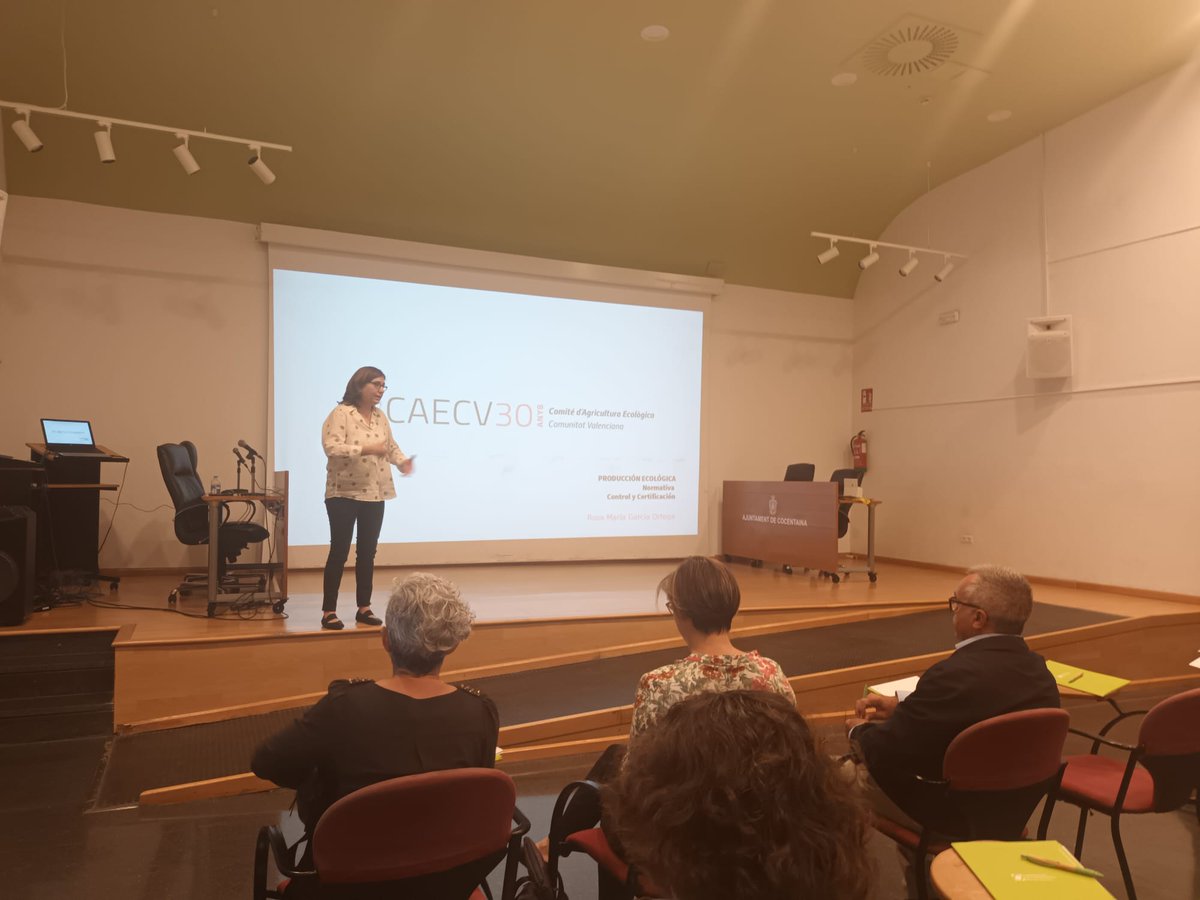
x: 379, y: 384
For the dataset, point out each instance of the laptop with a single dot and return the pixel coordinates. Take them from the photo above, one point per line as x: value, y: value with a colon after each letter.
x: 70, y: 437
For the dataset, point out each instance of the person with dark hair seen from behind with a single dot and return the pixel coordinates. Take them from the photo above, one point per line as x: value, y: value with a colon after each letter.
x: 730, y: 798
x: 703, y: 597
x: 366, y: 731
x: 358, y: 442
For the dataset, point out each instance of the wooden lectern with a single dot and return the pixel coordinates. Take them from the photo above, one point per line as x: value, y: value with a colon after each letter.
x: 793, y: 523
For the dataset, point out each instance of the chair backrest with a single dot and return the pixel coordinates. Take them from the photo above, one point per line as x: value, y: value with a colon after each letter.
x: 1006, y: 752
x: 178, y: 464
x: 999, y: 769
x: 800, y: 472
x: 577, y: 808
x: 840, y: 476
x: 1170, y: 738
x: 415, y: 826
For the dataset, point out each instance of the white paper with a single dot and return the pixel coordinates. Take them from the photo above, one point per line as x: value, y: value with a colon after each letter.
x: 900, y: 688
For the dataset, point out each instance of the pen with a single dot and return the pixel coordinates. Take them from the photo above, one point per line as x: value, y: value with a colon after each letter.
x: 1061, y: 866
x: 1074, y: 678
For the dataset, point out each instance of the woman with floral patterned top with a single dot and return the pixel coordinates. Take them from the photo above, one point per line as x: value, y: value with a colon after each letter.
x: 703, y: 596
x: 358, y: 442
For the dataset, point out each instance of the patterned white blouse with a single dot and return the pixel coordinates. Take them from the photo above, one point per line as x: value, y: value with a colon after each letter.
x: 347, y: 472
x: 665, y: 686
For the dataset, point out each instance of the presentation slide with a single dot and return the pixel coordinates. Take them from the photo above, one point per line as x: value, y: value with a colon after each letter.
x: 530, y: 417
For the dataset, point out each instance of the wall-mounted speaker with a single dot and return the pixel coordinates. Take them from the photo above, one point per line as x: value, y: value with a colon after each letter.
x: 18, y: 528
x: 1048, y: 349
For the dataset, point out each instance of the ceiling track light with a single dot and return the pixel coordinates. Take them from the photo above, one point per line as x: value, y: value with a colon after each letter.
x: 104, y: 145
x: 22, y: 130
x: 258, y: 167
x: 873, y: 248
x: 184, y: 155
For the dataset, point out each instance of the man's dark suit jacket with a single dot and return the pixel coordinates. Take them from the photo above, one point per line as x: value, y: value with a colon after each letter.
x: 986, y: 678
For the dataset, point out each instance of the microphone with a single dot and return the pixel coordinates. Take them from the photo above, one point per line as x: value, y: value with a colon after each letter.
x: 238, y: 454
x: 250, y: 451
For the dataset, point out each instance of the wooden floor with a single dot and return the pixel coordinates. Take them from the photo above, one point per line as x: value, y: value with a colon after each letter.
x: 543, y: 592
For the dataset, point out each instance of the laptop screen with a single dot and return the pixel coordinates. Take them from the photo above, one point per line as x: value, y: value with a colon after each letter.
x: 68, y: 431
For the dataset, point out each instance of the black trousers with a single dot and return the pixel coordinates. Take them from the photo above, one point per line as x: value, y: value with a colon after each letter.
x: 343, y: 514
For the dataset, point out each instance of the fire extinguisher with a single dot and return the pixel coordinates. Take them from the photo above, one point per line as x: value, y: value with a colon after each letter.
x: 858, y: 450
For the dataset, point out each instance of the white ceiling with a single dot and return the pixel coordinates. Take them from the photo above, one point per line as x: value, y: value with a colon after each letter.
x: 550, y: 128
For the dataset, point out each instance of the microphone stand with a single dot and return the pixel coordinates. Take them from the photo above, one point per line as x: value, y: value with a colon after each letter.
x: 241, y: 464
x: 253, y: 454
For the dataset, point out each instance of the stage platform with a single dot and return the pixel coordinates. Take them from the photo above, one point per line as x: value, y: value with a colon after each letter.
x: 547, y: 592
x: 151, y: 761
x: 176, y: 667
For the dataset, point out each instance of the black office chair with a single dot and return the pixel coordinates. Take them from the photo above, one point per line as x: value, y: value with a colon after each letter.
x: 800, y: 472
x: 178, y: 464
x: 840, y: 476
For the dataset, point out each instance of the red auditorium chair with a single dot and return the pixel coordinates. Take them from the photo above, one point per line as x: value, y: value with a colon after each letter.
x: 433, y: 836
x: 1159, y: 773
x: 574, y: 828
x: 993, y: 776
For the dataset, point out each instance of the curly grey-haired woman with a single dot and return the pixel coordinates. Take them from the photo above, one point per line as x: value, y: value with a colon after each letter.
x: 366, y: 731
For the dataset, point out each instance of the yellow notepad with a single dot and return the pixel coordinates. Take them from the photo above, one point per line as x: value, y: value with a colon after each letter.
x: 1095, y: 683
x: 998, y: 865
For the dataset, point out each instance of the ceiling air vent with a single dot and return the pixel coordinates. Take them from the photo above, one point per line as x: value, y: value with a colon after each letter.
x: 911, y: 49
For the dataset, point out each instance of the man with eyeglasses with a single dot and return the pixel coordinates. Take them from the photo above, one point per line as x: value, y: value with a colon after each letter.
x: 991, y: 672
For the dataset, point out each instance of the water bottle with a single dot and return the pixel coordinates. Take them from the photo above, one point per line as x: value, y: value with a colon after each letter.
x: 215, y: 486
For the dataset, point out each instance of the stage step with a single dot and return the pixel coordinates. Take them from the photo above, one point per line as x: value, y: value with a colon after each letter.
x: 28, y: 719
x: 55, y: 686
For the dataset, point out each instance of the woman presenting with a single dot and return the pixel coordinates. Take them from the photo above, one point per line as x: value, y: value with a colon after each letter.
x: 358, y: 442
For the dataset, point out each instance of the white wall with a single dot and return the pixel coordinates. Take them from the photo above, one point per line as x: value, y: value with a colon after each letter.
x: 152, y: 326
x: 155, y: 327
x: 1094, y: 478
x: 779, y: 387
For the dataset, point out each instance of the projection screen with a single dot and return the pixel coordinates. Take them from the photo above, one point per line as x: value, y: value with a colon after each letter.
x: 547, y: 420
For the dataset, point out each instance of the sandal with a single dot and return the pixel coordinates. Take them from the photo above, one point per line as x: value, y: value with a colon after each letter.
x: 332, y: 622
x: 366, y: 617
